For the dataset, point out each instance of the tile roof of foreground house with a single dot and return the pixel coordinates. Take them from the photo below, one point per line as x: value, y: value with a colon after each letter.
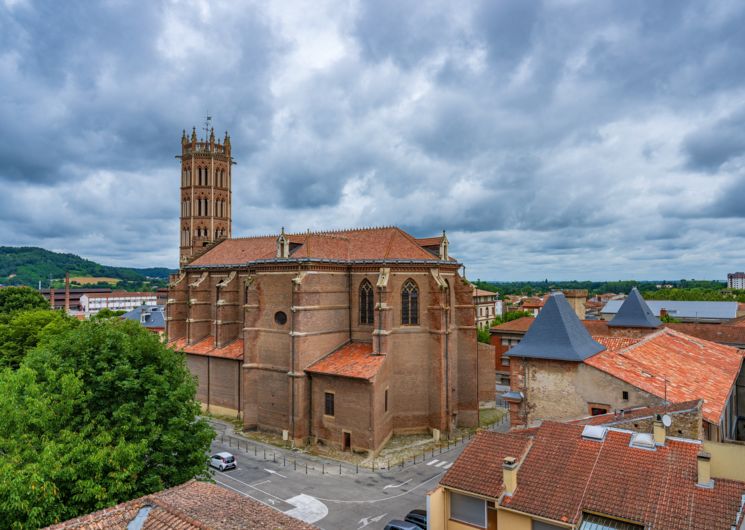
x: 634, y: 313
x: 556, y: 334
x: 676, y: 365
x: 193, y: 505
x: 368, y: 244
x: 354, y: 359
x: 563, y: 475
x: 206, y: 347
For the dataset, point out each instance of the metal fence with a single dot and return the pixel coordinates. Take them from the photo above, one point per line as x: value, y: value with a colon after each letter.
x: 296, y: 461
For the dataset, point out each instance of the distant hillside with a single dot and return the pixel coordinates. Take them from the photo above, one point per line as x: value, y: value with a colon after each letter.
x: 31, y: 265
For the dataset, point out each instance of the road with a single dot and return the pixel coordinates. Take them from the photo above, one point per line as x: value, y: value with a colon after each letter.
x: 331, y: 501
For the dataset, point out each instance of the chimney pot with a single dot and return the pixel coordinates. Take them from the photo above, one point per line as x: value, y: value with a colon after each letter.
x: 659, y: 431
x: 509, y: 474
x: 704, y: 470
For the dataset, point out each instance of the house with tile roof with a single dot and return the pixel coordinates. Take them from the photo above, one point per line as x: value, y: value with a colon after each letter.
x: 343, y: 337
x: 586, y: 477
x: 486, y: 307
x: 190, y: 506
x: 559, y: 371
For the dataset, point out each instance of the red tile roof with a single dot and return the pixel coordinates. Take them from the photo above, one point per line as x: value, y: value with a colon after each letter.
x: 191, y: 506
x: 429, y: 241
x: 482, y: 292
x: 206, y: 347
x: 362, y: 244
x: 694, y: 368
x: 352, y: 360
x: 616, y: 343
x: 521, y: 324
x: 479, y: 468
x: 563, y: 475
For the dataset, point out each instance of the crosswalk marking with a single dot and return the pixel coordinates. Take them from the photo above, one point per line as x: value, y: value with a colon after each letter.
x: 448, y: 466
x: 433, y: 462
x: 440, y: 463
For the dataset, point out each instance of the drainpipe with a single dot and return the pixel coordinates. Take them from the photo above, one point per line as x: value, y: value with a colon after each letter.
x: 292, y: 357
x: 239, y: 389
x: 310, y: 407
x: 208, y: 383
x: 447, y: 367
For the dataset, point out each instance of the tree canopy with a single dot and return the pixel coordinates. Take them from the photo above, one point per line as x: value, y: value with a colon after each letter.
x: 96, y: 413
x: 13, y: 299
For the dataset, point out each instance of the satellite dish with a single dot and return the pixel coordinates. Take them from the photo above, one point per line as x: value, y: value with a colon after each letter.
x: 667, y: 420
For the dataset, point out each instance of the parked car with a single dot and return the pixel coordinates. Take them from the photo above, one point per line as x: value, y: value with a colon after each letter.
x: 397, y: 524
x: 223, y: 461
x: 418, y: 517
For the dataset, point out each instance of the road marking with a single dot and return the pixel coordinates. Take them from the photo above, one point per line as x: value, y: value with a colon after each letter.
x: 448, y: 466
x: 274, y: 472
x: 433, y: 462
x: 307, y: 508
x: 254, y: 487
x: 239, y: 491
x: 441, y: 464
x: 262, y: 482
x: 396, y: 485
x: 367, y: 520
x: 372, y: 501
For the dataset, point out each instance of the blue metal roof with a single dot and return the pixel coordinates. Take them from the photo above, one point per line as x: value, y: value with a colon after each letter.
x: 150, y: 316
x: 635, y: 313
x: 557, y: 334
x: 684, y: 309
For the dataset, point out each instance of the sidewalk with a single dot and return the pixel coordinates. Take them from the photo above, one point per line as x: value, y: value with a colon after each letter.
x: 301, y: 460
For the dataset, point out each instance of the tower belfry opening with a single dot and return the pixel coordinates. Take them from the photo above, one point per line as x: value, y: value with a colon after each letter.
x: 206, y: 196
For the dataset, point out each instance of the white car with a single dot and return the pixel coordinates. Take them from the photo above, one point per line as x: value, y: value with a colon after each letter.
x: 223, y: 461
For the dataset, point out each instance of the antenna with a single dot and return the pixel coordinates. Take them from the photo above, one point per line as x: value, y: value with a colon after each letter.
x: 207, y: 125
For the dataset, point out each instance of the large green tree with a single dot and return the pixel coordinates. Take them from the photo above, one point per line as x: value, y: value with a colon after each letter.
x: 21, y: 331
x: 97, y: 414
x: 14, y: 299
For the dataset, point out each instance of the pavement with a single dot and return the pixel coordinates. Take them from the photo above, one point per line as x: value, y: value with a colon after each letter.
x: 326, y: 493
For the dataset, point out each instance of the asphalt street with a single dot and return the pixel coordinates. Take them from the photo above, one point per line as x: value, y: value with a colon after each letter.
x: 327, y: 499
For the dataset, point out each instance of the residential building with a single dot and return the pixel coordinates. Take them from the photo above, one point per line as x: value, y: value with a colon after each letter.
x: 533, y: 304
x: 190, y: 506
x: 736, y: 280
x: 152, y: 317
x: 559, y: 371
x: 682, y: 311
x: 485, y: 304
x: 587, y: 477
x: 344, y: 337
x: 92, y: 303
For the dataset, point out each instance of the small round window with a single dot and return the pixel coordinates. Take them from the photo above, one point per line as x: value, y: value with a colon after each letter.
x: 280, y: 318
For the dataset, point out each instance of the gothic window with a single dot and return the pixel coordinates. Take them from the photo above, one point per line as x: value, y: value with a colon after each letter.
x: 367, y: 315
x: 409, y: 303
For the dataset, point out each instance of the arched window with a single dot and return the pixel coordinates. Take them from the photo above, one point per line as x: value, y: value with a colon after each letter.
x: 367, y: 306
x: 409, y: 303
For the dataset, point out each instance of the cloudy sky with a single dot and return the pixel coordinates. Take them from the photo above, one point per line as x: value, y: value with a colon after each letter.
x: 560, y: 139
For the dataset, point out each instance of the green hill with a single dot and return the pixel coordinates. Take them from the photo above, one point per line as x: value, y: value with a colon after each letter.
x: 31, y: 265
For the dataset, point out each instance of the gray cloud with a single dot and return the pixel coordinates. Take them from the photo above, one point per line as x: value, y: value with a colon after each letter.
x: 550, y: 138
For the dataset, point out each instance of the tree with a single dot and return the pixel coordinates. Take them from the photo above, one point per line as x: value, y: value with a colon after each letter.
x: 14, y: 299
x: 107, y: 313
x: 25, y: 329
x: 95, y: 415
x: 484, y: 335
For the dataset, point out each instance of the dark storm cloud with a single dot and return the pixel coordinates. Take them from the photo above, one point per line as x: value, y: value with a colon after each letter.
x: 559, y: 138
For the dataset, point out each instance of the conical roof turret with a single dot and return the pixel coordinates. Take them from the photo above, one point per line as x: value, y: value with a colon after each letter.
x: 557, y: 334
x: 635, y: 313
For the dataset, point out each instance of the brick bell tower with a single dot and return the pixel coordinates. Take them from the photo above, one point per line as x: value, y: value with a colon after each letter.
x: 206, y: 178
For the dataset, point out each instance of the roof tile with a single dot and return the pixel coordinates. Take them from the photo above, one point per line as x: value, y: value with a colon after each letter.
x: 355, y: 360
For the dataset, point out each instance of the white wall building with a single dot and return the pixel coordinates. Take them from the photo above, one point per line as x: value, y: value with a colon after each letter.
x: 116, y: 301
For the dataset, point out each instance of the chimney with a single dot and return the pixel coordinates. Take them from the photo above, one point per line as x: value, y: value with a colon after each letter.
x: 67, y: 293
x: 509, y: 474
x: 663, y: 313
x: 659, y: 431
x: 577, y: 298
x: 51, y: 297
x: 704, y: 470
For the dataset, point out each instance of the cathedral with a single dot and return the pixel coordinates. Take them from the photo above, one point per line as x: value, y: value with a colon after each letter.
x: 341, y: 337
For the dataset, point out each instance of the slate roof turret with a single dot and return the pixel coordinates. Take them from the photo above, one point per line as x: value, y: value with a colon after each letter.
x: 557, y: 334
x: 635, y: 313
